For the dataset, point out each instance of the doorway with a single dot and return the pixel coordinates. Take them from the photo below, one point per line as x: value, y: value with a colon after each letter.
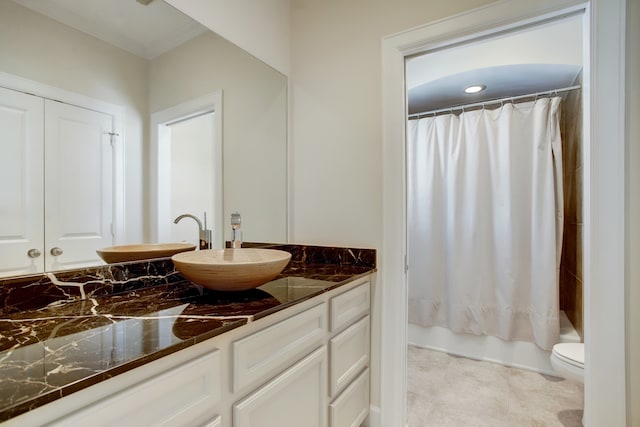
x: 604, y: 219
x: 515, y: 70
x: 186, y: 157
x: 191, y: 172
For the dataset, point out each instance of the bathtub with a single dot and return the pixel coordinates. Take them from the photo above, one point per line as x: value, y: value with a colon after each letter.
x: 518, y: 354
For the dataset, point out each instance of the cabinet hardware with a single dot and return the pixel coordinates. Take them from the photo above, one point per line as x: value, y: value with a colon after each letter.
x: 33, y: 253
x: 56, y: 251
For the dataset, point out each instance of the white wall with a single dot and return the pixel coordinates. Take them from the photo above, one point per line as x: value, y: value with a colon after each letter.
x: 633, y: 192
x: 259, y: 27
x: 40, y: 49
x: 336, y: 174
x: 254, y: 126
x: 191, y: 167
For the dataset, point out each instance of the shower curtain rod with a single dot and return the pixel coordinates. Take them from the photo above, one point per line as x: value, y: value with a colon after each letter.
x: 492, y: 101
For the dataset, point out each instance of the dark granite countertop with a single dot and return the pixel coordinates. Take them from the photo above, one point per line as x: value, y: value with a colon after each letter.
x: 61, y: 332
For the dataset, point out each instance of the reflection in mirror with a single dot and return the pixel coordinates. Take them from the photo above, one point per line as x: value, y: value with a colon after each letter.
x: 74, y: 52
x: 186, y: 151
x: 191, y: 144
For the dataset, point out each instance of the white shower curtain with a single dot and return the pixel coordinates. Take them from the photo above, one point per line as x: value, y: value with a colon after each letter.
x: 485, y: 214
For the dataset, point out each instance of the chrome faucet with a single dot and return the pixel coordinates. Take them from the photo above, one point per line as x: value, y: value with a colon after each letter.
x: 236, y: 233
x: 204, y: 234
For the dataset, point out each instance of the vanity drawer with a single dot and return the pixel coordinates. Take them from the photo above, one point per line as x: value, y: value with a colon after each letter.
x: 352, y: 406
x: 348, y: 354
x: 265, y: 353
x: 183, y: 396
x: 295, y: 398
x: 349, y: 306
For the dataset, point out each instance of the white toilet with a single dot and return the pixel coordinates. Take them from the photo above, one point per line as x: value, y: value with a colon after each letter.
x: 567, y: 359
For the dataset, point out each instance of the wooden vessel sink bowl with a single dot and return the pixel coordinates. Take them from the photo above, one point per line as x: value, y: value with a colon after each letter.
x: 125, y: 253
x: 231, y: 269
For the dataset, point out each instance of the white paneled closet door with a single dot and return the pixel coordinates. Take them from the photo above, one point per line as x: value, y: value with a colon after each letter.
x: 78, y: 185
x: 21, y: 183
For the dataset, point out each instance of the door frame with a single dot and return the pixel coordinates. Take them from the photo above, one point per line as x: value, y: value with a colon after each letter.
x: 604, y: 209
x: 33, y: 87
x: 159, y: 156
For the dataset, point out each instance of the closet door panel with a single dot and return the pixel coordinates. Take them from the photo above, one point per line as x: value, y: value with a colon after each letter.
x: 78, y: 185
x: 21, y: 178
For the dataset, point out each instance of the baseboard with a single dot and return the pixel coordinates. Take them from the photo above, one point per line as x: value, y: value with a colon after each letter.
x: 373, y: 420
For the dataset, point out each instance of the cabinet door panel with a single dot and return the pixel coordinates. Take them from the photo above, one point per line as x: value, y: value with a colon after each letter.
x: 183, y: 396
x: 297, y: 397
x: 352, y: 406
x: 21, y: 175
x: 262, y: 354
x: 349, y: 354
x: 350, y: 306
x: 78, y: 212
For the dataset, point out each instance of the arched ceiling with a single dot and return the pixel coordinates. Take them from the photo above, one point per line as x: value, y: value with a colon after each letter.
x: 500, y: 81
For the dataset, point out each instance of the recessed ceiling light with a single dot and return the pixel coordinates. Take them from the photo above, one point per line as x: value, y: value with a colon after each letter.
x: 475, y: 88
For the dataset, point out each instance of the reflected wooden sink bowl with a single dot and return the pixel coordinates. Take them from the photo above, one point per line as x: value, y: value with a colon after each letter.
x: 125, y: 253
x: 231, y: 269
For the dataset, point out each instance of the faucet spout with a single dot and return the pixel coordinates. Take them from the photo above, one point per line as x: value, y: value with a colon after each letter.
x: 195, y: 218
x: 203, y: 234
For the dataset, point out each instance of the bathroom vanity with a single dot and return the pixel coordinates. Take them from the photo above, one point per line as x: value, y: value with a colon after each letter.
x: 136, y: 344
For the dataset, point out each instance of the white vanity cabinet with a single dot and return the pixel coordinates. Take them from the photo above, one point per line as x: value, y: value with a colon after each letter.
x: 349, y: 349
x: 327, y: 350
x: 293, y: 352
x: 307, y: 365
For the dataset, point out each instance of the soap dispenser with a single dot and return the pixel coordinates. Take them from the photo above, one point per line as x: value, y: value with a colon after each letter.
x: 236, y: 233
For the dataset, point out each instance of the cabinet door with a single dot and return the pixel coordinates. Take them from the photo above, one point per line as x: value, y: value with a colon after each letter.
x: 295, y: 398
x: 78, y: 212
x: 21, y: 175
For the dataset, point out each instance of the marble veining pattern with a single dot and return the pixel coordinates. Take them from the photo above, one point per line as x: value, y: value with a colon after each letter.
x: 65, y: 331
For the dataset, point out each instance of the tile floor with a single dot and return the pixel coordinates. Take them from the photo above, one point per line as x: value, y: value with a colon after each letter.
x: 446, y: 390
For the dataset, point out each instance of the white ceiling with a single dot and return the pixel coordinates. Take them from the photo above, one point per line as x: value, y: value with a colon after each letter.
x: 501, y: 81
x: 524, y: 61
x: 146, y: 31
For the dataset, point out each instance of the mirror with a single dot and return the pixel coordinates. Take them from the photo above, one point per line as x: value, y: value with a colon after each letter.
x: 46, y: 43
